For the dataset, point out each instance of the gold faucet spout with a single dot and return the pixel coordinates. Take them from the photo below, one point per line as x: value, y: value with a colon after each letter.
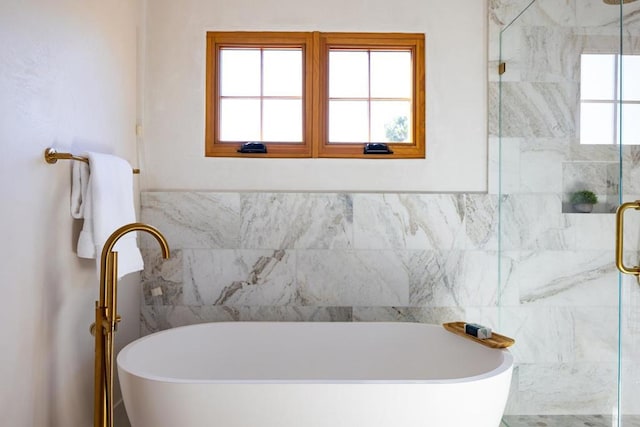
x: 136, y: 226
x: 109, y: 262
x: 107, y: 320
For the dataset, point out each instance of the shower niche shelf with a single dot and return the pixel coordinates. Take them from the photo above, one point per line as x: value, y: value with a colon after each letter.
x: 598, y: 209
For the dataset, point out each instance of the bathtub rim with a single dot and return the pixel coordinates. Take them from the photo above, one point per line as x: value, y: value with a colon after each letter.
x: 505, y: 365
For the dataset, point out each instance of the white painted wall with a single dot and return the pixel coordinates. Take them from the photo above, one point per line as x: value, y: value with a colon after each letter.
x: 68, y: 79
x: 173, y: 151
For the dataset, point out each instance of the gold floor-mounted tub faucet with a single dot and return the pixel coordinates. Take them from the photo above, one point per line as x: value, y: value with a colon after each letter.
x: 107, y: 320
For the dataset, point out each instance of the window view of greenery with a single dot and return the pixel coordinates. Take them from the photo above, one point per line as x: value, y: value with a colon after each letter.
x: 397, y: 130
x: 609, y: 99
x: 369, y: 96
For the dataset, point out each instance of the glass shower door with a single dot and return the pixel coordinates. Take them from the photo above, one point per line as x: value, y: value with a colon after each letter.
x: 564, y: 127
x: 629, y: 314
x: 628, y: 236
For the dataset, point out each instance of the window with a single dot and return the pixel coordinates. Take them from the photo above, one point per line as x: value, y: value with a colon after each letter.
x: 315, y: 94
x: 609, y: 87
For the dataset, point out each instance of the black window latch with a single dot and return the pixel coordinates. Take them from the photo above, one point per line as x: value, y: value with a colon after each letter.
x: 377, y: 148
x: 252, y: 147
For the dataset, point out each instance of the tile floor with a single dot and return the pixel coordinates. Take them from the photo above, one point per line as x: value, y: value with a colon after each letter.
x: 566, y: 421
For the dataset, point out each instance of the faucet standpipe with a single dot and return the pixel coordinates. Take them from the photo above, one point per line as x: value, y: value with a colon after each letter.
x: 107, y: 320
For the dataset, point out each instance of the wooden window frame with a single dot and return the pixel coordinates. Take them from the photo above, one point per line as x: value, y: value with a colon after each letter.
x: 315, y: 97
x: 218, y: 40
x: 373, y: 41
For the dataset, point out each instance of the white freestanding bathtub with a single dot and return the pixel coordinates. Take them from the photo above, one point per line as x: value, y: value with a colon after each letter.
x: 295, y: 374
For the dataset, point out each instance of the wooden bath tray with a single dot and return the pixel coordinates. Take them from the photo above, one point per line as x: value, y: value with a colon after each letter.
x: 496, y: 340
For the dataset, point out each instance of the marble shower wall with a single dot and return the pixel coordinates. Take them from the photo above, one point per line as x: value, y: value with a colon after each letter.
x: 561, y: 263
x: 540, y: 114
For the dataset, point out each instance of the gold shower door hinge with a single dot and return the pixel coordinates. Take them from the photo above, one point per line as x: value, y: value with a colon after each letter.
x: 502, y: 67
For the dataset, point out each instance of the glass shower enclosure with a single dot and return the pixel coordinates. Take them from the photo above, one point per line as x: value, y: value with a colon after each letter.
x: 565, y: 127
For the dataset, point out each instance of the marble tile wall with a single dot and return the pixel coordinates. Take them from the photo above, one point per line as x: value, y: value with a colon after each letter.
x: 397, y: 257
x: 305, y: 256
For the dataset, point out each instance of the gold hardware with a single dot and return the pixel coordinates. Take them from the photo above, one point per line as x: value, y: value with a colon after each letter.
x: 107, y: 321
x: 620, y: 238
x: 51, y: 156
x: 92, y: 327
x: 502, y: 68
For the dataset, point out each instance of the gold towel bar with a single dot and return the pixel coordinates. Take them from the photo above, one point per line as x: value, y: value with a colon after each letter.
x: 51, y: 156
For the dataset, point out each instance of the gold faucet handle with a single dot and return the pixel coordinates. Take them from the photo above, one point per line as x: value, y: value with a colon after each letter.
x: 92, y: 328
x: 115, y: 323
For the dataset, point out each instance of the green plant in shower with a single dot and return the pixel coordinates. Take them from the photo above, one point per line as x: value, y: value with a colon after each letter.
x: 585, y: 197
x: 583, y: 201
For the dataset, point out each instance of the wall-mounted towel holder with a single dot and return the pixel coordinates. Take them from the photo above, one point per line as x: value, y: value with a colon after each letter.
x: 51, y: 156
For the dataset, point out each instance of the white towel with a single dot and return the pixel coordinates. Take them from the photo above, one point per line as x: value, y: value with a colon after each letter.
x: 102, y: 194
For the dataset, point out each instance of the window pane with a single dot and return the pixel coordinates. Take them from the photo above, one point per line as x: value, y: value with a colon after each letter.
x: 631, y: 124
x: 240, y: 120
x: 596, y: 123
x: 391, y: 74
x: 390, y: 121
x: 597, y: 76
x: 240, y: 72
x: 282, y: 72
x: 630, y: 80
x: 348, y: 74
x: 282, y: 120
x: 348, y: 121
